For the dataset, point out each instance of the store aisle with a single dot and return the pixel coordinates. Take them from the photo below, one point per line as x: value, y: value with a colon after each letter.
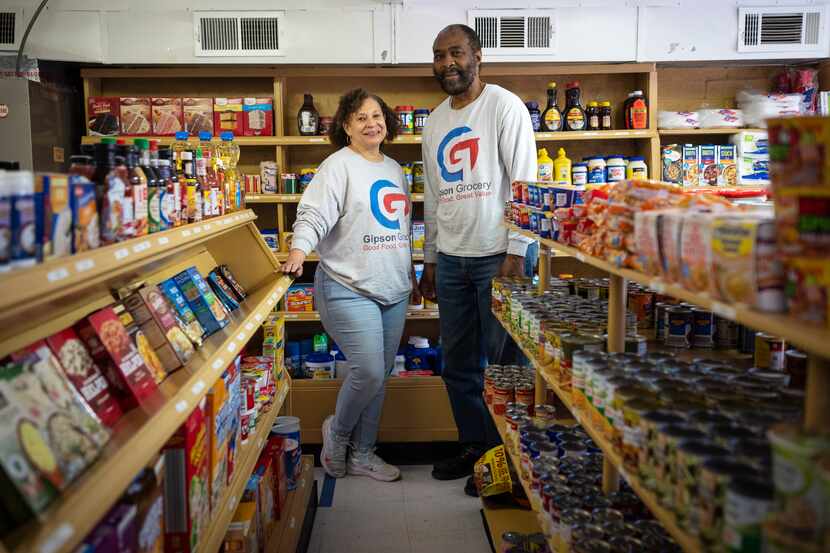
x: 417, y: 514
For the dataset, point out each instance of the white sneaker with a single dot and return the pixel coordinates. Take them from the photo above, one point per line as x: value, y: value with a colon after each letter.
x: 335, y: 448
x: 366, y: 463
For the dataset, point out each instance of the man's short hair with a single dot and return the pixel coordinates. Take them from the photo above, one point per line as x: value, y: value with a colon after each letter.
x: 469, y: 32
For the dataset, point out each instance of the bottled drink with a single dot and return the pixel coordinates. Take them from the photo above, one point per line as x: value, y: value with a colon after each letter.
x: 551, y: 117
x: 167, y: 201
x: 112, y: 187
x: 575, y: 119
x: 229, y: 155
x: 177, y: 148
x: 193, y: 194
x: 139, y: 182
x: 202, y: 191
x: 155, y: 190
x: 308, y: 119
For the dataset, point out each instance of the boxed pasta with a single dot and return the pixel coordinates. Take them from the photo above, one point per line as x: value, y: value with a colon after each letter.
x: 157, y: 320
x: 691, y: 165
x: 228, y: 116
x: 186, y: 491
x: 184, y: 315
x: 672, y: 163
x: 82, y: 372
x: 198, y: 115
x: 727, y: 168
x: 136, y: 116
x: 104, y: 116
x: 168, y: 116
x: 708, y: 165
x: 210, y: 312
x: 259, y: 116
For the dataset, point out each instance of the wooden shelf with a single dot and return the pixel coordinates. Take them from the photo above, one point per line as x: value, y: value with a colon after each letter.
x: 63, y: 279
x: 295, y: 198
x: 142, y: 432
x: 285, y: 533
x: 508, y: 519
x: 314, y: 257
x: 692, y: 132
x: 583, y: 417
x: 562, y: 136
x: 222, y: 513
x: 810, y: 338
x: 168, y: 140
x: 411, y: 315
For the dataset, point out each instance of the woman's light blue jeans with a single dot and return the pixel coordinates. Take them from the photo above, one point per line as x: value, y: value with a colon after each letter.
x: 368, y: 333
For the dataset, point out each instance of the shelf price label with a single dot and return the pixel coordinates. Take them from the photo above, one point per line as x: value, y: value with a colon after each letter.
x: 724, y: 310
x: 121, y: 254
x: 218, y: 364
x: 198, y: 387
x: 142, y: 246
x: 185, y: 233
x: 58, y: 274
x: 84, y: 265
x: 58, y: 538
x: 181, y: 406
x: 163, y: 240
x: 231, y: 347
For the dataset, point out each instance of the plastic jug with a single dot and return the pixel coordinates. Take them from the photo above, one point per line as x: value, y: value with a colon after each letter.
x: 293, y: 360
x: 419, y: 356
x: 319, y: 366
x: 562, y: 168
x: 544, y: 166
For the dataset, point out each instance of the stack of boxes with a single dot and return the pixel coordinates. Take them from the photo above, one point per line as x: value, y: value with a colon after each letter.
x: 693, y: 166
x: 753, y: 157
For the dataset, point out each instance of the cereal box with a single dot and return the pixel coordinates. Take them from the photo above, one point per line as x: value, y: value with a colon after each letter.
x: 259, y: 116
x: 708, y: 166
x: 241, y: 536
x: 672, y: 163
x: 691, y: 165
x: 299, y: 298
x: 727, y: 167
x: 84, y: 375
x: 158, y: 321
x: 168, y: 117
x: 86, y: 231
x: 145, y: 493
x: 57, y: 215
x: 216, y: 307
x: 217, y: 414
x: 104, y: 116
x: 186, y: 489
x: 228, y: 116
x: 136, y: 116
x: 198, y: 115
x: 205, y: 306
x: 185, y: 316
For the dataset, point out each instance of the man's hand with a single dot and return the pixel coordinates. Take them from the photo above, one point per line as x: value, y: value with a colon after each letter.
x: 513, y: 266
x: 428, y: 282
x: 415, y: 297
x: 294, y: 264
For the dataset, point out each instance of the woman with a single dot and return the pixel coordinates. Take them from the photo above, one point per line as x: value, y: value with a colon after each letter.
x: 356, y: 214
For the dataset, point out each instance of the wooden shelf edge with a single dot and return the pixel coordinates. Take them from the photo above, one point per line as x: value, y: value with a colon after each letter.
x: 690, y: 132
x: 622, y: 134
x: 413, y: 315
x: 232, y: 494
x: 286, y: 533
x: 140, y: 435
x: 808, y: 337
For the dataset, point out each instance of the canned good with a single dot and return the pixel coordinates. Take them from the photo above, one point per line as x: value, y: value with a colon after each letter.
x: 668, y: 441
x: 704, y: 328
x: 289, y: 183
x: 650, y: 424
x: 511, y: 540
x: 626, y: 544
x: 691, y: 454
x: 795, y: 364
x: 636, y: 344
x: 769, y: 352
x: 746, y: 339
x: 748, y: 502
x: 641, y: 303
x: 583, y: 364
x: 715, y: 476
x: 726, y: 332
x: 633, y: 436
x: 569, y: 521
x: 660, y: 311
x: 503, y: 393
x: 570, y: 344
x: 679, y: 327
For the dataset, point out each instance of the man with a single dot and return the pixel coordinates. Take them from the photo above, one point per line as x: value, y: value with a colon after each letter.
x: 475, y: 144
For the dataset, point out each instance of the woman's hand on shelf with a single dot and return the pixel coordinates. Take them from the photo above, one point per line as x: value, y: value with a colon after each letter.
x: 294, y: 264
x: 427, y: 287
x: 415, y: 297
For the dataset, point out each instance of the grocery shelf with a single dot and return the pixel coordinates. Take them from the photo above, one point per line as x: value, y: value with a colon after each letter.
x: 64, y: 277
x: 501, y: 519
x: 244, y: 465
x: 411, y: 315
x: 584, y: 417
x: 811, y: 338
x: 562, y: 136
x: 142, y: 432
x: 314, y: 256
x: 690, y: 132
x: 295, y: 198
x: 285, y: 533
x: 168, y: 140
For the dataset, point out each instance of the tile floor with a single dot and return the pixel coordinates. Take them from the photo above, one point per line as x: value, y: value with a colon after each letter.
x: 416, y: 514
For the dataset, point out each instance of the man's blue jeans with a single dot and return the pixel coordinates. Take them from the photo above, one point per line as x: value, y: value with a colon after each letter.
x: 470, y: 335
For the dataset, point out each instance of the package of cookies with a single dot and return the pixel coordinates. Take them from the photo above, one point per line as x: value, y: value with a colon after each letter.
x: 168, y: 117
x: 136, y: 116
x: 198, y: 115
x: 259, y: 116
x: 82, y: 372
x: 142, y: 343
x: 228, y: 116
x: 104, y: 116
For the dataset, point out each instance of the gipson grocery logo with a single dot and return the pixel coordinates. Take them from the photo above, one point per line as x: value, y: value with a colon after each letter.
x: 388, y: 203
x: 455, y: 154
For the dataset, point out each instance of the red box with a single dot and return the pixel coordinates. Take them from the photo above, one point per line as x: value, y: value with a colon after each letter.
x: 274, y: 451
x: 168, y: 117
x: 136, y: 116
x: 198, y: 115
x: 111, y: 347
x: 228, y: 116
x: 104, y: 116
x: 186, y: 500
x: 259, y: 116
x: 84, y: 374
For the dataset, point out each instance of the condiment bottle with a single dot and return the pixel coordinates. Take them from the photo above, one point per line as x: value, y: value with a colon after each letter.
x: 203, y: 185
x: 155, y: 191
x: 636, y: 111
x: 544, y: 166
x: 605, y: 121
x: 308, y: 118
x: 167, y: 199
x: 551, y: 117
x: 593, y: 116
x: 142, y: 193
x: 562, y: 168
x: 575, y: 119
x: 138, y: 182
x: 535, y: 115
x: 193, y: 190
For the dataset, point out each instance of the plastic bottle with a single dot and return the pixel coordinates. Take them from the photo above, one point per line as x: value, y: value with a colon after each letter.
x: 551, y: 117
x: 636, y: 111
x: 155, y: 190
x: 141, y: 191
x: 544, y: 166
x: 177, y: 148
x: 229, y: 155
x: 138, y: 181
x: 203, y: 191
x: 562, y: 168
x: 167, y: 199
x: 25, y: 240
x: 637, y: 168
x: 419, y: 356
x: 193, y: 189
x: 574, y: 116
x: 308, y: 118
x: 535, y: 115
x: 593, y: 116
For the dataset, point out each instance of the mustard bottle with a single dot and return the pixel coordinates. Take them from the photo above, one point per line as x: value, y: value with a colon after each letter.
x: 544, y: 166
x: 562, y: 168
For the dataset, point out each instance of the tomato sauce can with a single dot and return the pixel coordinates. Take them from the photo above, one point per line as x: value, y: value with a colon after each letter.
x: 704, y: 328
x: 769, y: 352
x: 679, y: 327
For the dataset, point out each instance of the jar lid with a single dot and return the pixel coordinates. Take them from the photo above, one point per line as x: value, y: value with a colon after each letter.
x: 572, y: 84
x: 532, y: 105
x: 580, y: 164
x: 636, y: 158
x: 422, y: 110
x: 593, y: 104
x: 404, y: 108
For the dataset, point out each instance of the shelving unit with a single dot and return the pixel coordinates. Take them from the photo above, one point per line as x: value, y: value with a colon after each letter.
x: 412, y: 315
x: 695, y: 132
x: 295, y: 198
x: 299, y: 504
x: 46, y: 298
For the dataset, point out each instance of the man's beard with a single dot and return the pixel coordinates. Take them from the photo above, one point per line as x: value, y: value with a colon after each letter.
x: 457, y: 86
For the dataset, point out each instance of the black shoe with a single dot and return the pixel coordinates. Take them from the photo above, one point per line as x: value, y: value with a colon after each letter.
x: 459, y: 466
x: 470, y: 487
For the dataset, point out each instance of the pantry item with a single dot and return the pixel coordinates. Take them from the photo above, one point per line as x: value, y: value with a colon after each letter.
x: 184, y: 314
x: 268, y: 174
x: 714, y: 477
x: 690, y: 165
x: 26, y: 236
x: 307, y: 117
x: 605, y: 116
x: 552, y: 118
x: 593, y: 116
x: 677, y: 119
x: 228, y: 116
x: 720, y: 118
x: 574, y: 114
x: 57, y: 215
x: 635, y: 109
x: 672, y: 163
x: 679, y: 327
x: 708, y: 171
x: 727, y: 168
x: 545, y: 171
x: 769, y: 352
x: 808, y: 289
x: 258, y: 116
x: 85, y: 220
x: 579, y: 174
x: 405, y: 114
x: 636, y: 168
x: 596, y: 170
x: 420, y: 120
x: 157, y: 319
x: 614, y: 168
x: 167, y: 115
x: 198, y: 115
x: 748, y: 503
x: 208, y: 310
x: 535, y: 115
x: 103, y: 116
x: 136, y: 116
x: 325, y: 125
x: 561, y: 168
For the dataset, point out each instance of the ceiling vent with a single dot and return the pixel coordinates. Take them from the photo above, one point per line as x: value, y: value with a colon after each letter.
x: 781, y: 29
x: 11, y: 29
x: 238, y: 34
x: 515, y: 32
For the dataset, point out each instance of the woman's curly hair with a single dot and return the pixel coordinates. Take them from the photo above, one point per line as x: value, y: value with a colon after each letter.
x: 349, y: 104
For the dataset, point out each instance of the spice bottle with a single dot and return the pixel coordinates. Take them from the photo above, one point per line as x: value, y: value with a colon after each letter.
x: 551, y: 117
x: 593, y: 116
x: 575, y: 119
x: 308, y: 118
x: 605, y: 121
x: 636, y: 111
x: 535, y: 115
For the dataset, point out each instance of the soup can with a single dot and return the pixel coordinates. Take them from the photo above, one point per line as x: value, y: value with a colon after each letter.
x: 714, y: 478
x: 748, y: 503
x: 769, y: 352
x: 679, y: 327
x: 704, y: 328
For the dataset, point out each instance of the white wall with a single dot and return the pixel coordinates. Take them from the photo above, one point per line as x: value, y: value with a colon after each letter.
x: 394, y: 31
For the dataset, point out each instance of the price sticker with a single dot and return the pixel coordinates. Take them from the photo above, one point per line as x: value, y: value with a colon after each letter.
x: 231, y: 347
x: 58, y: 274
x: 163, y: 241
x: 658, y: 286
x: 232, y: 503
x: 198, y: 387
x: 58, y: 538
x: 724, y: 310
x: 249, y: 326
x: 181, y: 406
x: 218, y: 364
x: 258, y: 316
x: 121, y: 254
x: 208, y: 227
x: 142, y: 246
x: 580, y: 257
x: 197, y: 230
x: 186, y: 233
x: 84, y: 265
